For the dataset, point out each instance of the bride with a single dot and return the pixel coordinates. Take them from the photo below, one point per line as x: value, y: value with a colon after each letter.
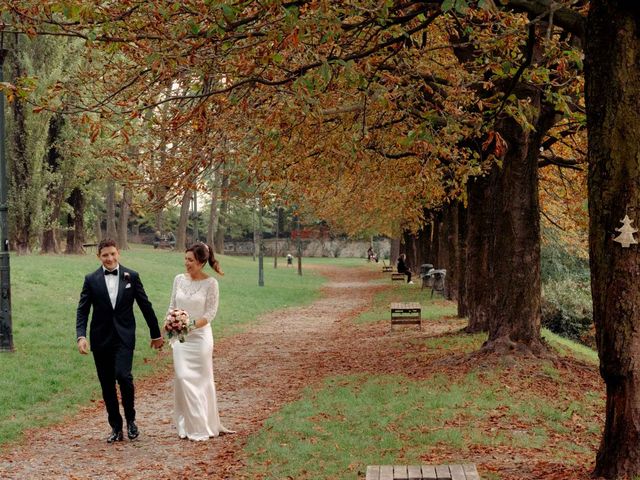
x: 196, y: 408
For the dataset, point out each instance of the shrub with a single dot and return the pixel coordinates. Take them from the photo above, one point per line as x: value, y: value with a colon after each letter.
x: 567, y: 308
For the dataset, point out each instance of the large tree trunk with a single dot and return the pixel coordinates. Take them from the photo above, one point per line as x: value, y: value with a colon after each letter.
x: 463, y: 308
x: 450, y: 215
x: 612, y: 98
x: 515, y: 321
x: 479, y: 241
x: 222, y: 216
x: 111, y: 210
x: 213, y: 215
x: 394, y: 252
x: 181, y: 234
x: 123, y: 219
x: 20, y: 170
x: 55, y: 189
x: 75, y: 222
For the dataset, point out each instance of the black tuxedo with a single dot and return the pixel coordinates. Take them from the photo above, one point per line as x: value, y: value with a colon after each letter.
x: 112, y: 335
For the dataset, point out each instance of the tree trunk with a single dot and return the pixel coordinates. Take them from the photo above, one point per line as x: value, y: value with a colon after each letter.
x: 20, y: 171
x: 463, y: 309
x: 123, y: 219
x: 75, y: 222
x: 222, y: 216
x: 275, y: 252
x: 514, y: 324
x: 479, y: 241
x: 213, y: 215
x: 612, y: 96
x: 450, y: 215
x: 181, y: 234
x: 394, y: 252
x: 111, y: 210
x: 55, y: 189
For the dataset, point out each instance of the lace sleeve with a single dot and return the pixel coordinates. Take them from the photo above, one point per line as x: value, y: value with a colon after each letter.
x: 211, y: 304
x: 172, y: 301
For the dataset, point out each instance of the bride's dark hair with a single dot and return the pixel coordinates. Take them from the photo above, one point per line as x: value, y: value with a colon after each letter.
x: 204, y: 253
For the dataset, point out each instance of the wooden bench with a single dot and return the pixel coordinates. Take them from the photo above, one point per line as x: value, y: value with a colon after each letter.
x: 87, y: 245
x: 166, y: 244
x: 406, y: 314
x: 422, y: 472
x: 397, y: 276
x: 387, y: 268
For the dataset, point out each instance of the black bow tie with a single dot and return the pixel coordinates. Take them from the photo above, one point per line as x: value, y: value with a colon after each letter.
x: 112, y: 272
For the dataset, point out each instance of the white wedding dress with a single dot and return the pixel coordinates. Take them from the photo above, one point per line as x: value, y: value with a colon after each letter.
x: 195, y: 408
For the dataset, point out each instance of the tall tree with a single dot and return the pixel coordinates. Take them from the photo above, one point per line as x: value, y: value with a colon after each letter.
x: 181, y: 234
x: 123, y: 218
x: 612, y: 51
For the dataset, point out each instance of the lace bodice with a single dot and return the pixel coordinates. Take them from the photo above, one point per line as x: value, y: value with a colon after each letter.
x: 198, y: 297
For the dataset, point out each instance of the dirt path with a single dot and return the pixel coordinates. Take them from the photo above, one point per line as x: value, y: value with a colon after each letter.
x: 256, y: 373
x: 261, y: 370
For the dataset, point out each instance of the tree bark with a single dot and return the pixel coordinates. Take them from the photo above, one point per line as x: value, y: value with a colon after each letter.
x: 514, y: 324
x: 55, y: 189
x: 394, y: 252
x: 75, y: 222
x: 222, y: 216
x: 450, y: 215
x: 181, y: 234
x: 612, y: 97
x: 123, y: 219
x: 479, y: 241
x: 111, y: 210
x: 213, y: 215
x: 463, y: 308
x: 20, y: 171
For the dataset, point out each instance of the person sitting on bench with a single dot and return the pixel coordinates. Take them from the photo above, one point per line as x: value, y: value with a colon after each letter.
x: 403, y: 267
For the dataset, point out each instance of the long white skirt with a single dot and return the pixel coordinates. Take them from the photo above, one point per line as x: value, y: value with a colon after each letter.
x: 195, y: 406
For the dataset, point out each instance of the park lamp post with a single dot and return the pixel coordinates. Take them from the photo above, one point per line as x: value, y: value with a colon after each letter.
x: 6, y: 335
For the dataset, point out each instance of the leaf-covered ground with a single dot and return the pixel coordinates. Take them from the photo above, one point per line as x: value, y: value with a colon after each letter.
x: 262, y: 370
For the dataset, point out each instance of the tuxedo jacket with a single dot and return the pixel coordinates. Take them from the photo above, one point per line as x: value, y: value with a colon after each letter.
x: 107, y: 321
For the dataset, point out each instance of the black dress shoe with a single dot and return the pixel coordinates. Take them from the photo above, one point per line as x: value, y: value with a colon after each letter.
x: 132, y: 430
x: 116, y: 436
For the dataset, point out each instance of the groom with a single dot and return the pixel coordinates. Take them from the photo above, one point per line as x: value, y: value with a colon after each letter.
x: 111, y: 291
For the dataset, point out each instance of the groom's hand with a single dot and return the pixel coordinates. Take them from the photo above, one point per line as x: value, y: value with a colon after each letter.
x: 157, y: 343
x: 83, y: 346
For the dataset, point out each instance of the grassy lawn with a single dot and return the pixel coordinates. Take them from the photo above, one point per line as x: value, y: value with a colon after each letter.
x: 46, y: 379
x: 343, y: 423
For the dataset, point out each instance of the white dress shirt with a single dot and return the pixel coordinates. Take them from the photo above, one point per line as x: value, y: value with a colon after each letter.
x: 112, y: 286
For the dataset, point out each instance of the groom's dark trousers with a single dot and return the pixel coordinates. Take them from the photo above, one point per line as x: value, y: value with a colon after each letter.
x: 112, y: 335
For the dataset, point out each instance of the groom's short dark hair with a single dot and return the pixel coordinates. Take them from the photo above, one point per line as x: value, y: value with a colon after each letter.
x: 106, y: 242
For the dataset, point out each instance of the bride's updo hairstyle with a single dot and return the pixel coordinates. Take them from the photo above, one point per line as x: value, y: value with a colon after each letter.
x: 203, y: 253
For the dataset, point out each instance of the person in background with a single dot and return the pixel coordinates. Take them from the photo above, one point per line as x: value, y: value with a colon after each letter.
x: 403, y: 267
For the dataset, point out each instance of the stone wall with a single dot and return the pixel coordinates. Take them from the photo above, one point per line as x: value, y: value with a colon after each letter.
x: 313, y: 248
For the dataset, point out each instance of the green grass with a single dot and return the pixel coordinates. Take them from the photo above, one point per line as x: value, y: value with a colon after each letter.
x: 46, y: 379
x: 569, y: 348
x: 344, y: 423
x: 348, y: 422
x: 432, y: 308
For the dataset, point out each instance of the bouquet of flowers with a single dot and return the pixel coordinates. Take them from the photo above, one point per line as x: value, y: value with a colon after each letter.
x: 178, y: 324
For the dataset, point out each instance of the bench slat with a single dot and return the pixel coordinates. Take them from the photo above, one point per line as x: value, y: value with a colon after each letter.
x: 373, y: 472
x: 400, y: 472
x: 457, y: 472
x: 386, y: 472
x: 442, y: 472
x: 470, y: 471
x: 414, y: 472
x: 429, y: 472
